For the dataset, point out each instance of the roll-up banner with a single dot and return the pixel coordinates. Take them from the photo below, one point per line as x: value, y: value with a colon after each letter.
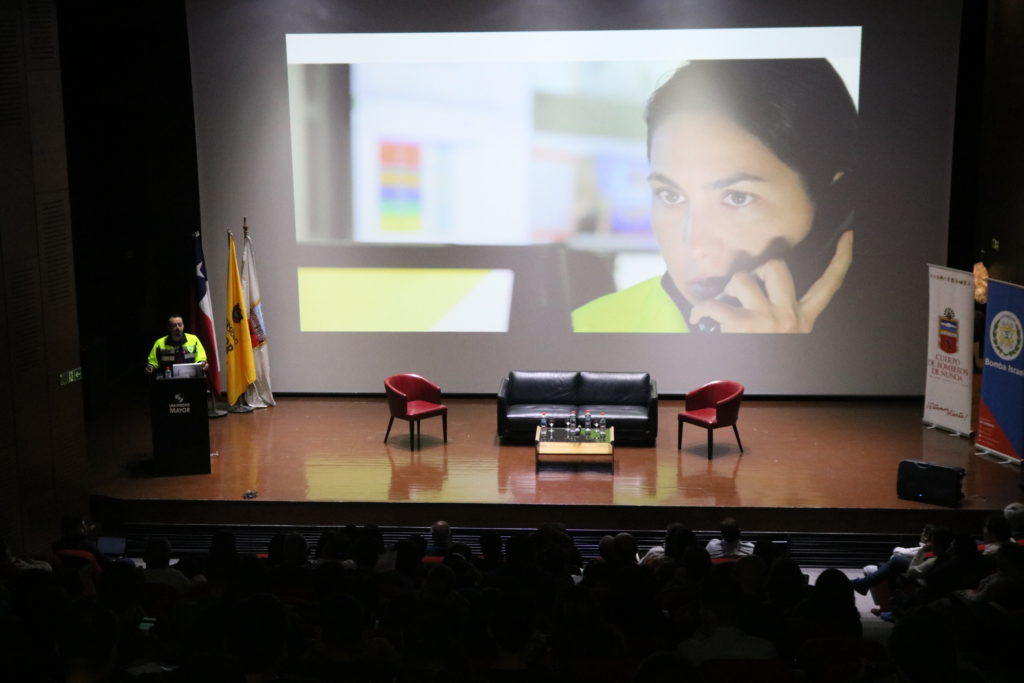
x: 1001, y: 413
x: 950, y: 370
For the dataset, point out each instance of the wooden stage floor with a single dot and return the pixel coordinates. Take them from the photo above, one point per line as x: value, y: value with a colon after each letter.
x: 808, y: 466
x: 817, y: 466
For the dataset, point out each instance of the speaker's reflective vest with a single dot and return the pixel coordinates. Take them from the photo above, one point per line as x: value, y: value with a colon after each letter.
x: 164, y: 352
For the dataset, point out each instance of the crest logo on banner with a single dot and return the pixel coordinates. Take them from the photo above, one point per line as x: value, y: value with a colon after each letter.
x: 949, y: 331
x: 949, y: 379
x: 1005, y: 334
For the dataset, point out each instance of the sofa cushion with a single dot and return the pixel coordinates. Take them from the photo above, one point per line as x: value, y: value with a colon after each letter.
x: 541, y: 387
x: 533, y: 412
x: 523, y: 418
x: 614, y: 388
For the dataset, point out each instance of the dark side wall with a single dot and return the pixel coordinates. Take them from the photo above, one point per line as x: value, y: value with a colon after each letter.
x: 43, y: 460
x: 134, y: 191
x: 999, y: 209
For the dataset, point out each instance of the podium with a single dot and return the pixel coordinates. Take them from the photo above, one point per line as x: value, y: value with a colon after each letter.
x: 180, y: 423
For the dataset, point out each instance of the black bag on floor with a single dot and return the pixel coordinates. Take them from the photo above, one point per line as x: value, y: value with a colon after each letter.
x: 929, y: 483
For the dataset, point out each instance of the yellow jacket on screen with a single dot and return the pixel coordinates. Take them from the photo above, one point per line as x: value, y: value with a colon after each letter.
x: 644, y: 307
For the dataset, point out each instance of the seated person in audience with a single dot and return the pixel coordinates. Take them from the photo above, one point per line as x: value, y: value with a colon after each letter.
x: 897, y: 564
x: 729, y: 545
x: 1005, y: 586
x: 769, y: 551
x: 460, y: 559
x: 756, y: 617
x: 409, y: 570
x: 957, y: 564
x: 1014, y: 513
x: 490, y: 556
x: 222, y: 558
x: 440, y: 539
x: 336, y: 546
x: 78, y: 534
x: 11, y: 565
x: 830, y: 611
x: 923, y: 649
x: 924, y: 561
x: 626, y: 548
x: 157, y: 557
x: 961, y: 567
x: 619, y: 557
x: 290, y: 577
x: 343, y: 648
x: 367, y: 547
x: 906, y: 588
x: 750, y: 573
x: 679, y: 594
x: 655, y: 553
x: 997, y: 533
x: 786, y: 586
x: 677, y: 537
x: 606, y: 549
x: 553, y: 537
x: 719, y: 635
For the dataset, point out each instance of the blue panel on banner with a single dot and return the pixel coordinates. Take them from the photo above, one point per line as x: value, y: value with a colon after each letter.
x: 1002, y: 392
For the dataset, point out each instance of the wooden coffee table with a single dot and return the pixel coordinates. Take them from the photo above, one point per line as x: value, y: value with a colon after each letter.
x: 559, y: 446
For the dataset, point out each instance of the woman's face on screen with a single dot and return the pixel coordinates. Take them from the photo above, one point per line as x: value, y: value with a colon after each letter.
x: 719, y: 198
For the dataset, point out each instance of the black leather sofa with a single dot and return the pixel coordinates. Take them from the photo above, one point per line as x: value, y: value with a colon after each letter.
x: 629, y: 401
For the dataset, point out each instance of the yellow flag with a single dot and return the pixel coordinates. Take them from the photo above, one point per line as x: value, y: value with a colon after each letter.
x: 241, y: 367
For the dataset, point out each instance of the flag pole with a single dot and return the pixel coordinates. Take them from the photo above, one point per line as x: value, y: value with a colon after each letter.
x: 202, y: 321
x: 238, y: 336
x: 214, y: 411
x: 258, y: 394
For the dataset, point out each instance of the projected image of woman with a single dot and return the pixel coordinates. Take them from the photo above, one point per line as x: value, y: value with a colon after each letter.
x: 750, y: 161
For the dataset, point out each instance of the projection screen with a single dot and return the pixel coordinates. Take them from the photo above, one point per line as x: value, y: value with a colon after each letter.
x: 700, y: 190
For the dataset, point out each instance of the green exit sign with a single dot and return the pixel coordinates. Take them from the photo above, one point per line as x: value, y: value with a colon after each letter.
x: 69, y: 376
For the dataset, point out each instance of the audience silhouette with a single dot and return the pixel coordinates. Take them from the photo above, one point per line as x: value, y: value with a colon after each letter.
x: 528, y: 607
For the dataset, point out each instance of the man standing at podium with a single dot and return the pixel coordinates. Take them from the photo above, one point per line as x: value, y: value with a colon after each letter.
x: 178, y: 408
x: 177, y: 347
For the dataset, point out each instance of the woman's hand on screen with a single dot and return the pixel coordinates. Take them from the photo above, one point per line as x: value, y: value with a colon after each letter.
x: 768, y: 300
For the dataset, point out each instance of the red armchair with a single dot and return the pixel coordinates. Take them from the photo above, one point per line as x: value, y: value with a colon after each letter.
x: 413, y: 398
x: 714, y: 405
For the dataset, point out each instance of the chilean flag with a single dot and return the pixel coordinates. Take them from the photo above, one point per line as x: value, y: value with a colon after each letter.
x: 202, y: 315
